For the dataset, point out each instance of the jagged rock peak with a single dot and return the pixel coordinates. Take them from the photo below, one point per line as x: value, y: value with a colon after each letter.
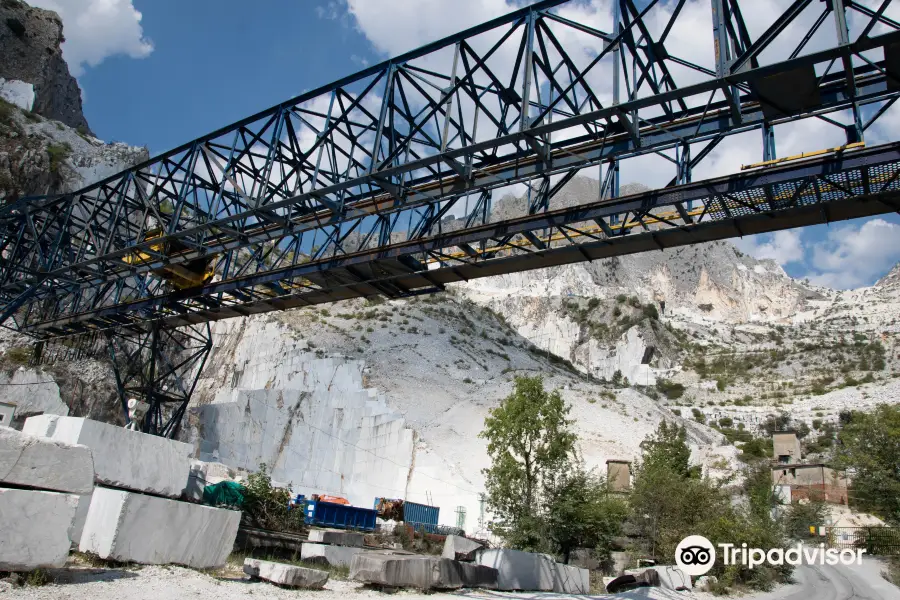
x: 30, y: 51
x: 891, y: 279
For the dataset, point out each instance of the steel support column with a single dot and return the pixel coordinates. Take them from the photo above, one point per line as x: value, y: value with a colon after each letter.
x: 854, y: 130
x: 160, y: 367
x: 768, y: 136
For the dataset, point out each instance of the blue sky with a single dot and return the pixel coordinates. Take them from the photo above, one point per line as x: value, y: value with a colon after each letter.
x: 162, y: 72
x: 213, y: 63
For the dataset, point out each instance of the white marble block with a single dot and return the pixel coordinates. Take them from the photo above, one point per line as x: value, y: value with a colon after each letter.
x: 36, y: 462
x: 145, y: 529
x: 34, y: 529
x: 122, y: 458
x: 526, y: 571
x: 286, y: 575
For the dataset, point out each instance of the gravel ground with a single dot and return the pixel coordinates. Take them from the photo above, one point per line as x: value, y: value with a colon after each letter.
x: 177, y: 583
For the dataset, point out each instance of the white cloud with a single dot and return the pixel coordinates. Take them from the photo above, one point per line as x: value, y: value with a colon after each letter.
x: 855, y: 255
x: 783, y: 247
x: 98, y: 29
x: 420, y: 21
x: 359, y: 60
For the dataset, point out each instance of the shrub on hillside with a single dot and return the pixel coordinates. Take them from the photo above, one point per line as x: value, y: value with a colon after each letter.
x: 672, y: 390
x: 268, y: 507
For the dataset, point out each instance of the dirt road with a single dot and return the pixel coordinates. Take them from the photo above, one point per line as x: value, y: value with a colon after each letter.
x: 822, y: 582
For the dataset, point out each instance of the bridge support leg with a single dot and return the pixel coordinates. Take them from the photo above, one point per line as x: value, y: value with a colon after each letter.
x: 768, y: 135
x: 159, y: 367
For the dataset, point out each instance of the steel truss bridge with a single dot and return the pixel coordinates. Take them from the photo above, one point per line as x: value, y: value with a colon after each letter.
x: 348, y: 190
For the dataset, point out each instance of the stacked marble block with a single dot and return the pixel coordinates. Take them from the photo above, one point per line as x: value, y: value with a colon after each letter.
x: 134, y: 513
x: 337, y: 548
x: 41, y: 482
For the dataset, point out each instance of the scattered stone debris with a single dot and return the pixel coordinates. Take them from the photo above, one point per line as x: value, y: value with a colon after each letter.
x: 525, y: 571
x: 460, y: 548
x: 285, y: 575
x: 420, y: 572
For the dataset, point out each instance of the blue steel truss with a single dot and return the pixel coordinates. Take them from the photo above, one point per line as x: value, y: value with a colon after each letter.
x: 347, y: 190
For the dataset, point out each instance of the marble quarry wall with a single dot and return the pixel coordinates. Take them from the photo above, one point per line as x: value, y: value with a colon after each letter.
x: 346, y: 443
x: 308, y: 418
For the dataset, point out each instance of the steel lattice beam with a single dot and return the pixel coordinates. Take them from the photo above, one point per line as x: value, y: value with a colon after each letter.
x: 822, y: 190
x: 285, y: 202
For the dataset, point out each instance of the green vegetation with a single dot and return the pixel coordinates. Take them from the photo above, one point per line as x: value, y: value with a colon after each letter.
x: 542, y: 497
x: 755, y: 449
x: 731, y: 367
x: 670, y: 501
x: 800, y: 517
x: 6, y: 112
x: 698, y: 415
x: 38, y: 578
x: 672, y: 391
x: 18, y: 356
x: 592, y: 318
x: 266, y: 507
x: 893, y: 572
x: 582, y: 513
x: 58, y: 154
x: 870, y: 445
x: 529, y: 441
x: 667, y: 450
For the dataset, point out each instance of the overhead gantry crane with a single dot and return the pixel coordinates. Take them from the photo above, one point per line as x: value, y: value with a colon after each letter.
x: 346, y: 191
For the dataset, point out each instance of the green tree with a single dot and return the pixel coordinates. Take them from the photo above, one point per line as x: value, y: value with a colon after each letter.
x: 756, y: 448
x: 668, y: 449
x: 664, y: 493
x: 670, y: 501
x: 529, y: 443
x: 774, y: 423
x: 581, y: 513
x: 799, y: 517
x: 870, y: 450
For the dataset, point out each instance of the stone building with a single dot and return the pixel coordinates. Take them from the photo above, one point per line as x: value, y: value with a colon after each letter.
x: 618, y: 475
x: 816, y: 481
x: 786, y: 447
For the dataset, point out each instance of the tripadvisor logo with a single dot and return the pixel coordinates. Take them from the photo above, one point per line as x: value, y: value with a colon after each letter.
x: 696, y: 555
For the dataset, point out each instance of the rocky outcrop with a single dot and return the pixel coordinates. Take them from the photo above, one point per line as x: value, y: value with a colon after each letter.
x: 39, y: 156
x: 30, y: 40
x: 46, y: 146
x: 891, y: 280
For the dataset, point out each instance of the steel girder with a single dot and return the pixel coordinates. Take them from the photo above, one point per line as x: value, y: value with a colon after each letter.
x: 829, y: 188
x: 384, y: 156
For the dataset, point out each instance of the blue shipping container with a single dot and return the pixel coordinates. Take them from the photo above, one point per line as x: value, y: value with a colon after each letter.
x: 421, y: 516
x: 340, y: 516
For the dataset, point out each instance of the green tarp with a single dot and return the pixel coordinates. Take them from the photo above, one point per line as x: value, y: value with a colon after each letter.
x: 224, y: 493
